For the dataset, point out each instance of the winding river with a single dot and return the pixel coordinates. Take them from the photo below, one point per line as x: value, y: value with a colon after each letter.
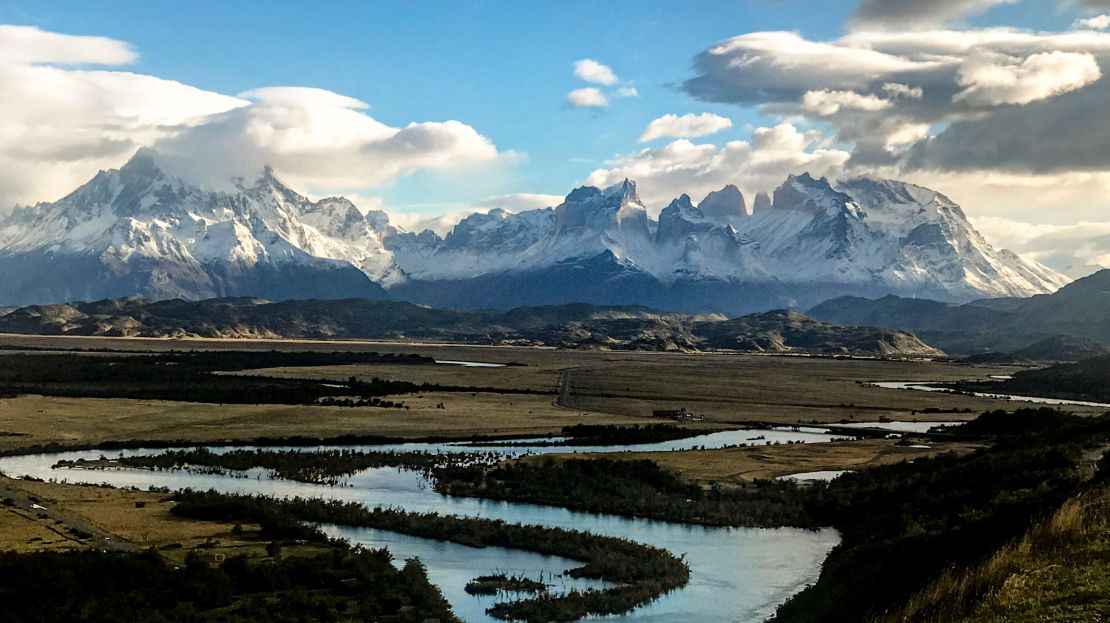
x: 737, y: 574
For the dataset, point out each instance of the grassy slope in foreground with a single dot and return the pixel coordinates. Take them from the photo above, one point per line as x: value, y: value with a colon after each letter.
x: 904, y: 526
x: 1058, y: 572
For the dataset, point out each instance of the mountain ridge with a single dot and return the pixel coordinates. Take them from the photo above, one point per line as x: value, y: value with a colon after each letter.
x: 1078, y: 310
x: 569, y: 326
x: 144, y: 229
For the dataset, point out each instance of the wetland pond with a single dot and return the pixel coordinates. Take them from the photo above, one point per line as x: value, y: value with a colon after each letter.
x: 737, y: 574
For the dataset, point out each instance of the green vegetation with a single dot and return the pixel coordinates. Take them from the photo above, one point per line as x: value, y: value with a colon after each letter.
x: 1086, y: 380
x: 342, y: 584
x: 905, y: 525
x: 642, y: 572
x: 616, y: 435
x: 316, y: 466
x: 501, y: 583
x: 194, y: 377
x: 639, y: 488
x: 1058, y: 572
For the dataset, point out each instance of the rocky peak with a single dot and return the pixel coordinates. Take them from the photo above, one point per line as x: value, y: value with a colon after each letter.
x: 806, y: 194
x: 680, y: 219
x: 724, y: 206
x: 623, y: 193
x: 762, y: 203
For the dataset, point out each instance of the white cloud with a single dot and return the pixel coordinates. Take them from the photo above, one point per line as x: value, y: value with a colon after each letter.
x: 827, y: 102
x: 319, y: 140
x: 1098, y: 22
x: 696, y: 169
x: 593, y: 71
x: 906, y: 134
x: 879, y: 89
x: 1077, y: 249
x: 628, y: 92
x: 686, y: 126
x: 588, y: 97
x: 897, y: 89
x: 59, y: 125
x: 991, y: 80
x: 27, y: 45
x: 443, y: 223
x: 1059, y: 199
x: 520, y: 202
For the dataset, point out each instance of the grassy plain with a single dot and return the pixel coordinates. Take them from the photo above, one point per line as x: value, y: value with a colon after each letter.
x: 47, y: 516
x: 738, y: 465
x: 597, y: 387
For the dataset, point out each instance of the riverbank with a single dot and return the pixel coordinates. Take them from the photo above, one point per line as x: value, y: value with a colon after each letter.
x: 66, y: 547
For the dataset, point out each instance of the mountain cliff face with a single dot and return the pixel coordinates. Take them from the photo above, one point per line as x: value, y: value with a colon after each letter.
x: 144, y: 230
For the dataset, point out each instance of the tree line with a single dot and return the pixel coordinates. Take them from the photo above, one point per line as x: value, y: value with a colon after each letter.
x: 642, y: 572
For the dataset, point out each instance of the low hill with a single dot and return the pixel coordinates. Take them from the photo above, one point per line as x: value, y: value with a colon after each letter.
x: 568, y: 326
x: 1084, y: 380
x: 1063, y: 348
x: 787, y: 331
x: 1037, y: 327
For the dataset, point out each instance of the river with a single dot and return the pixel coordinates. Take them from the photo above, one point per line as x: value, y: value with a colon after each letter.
x: 932, y: 387
x: 737, y: 574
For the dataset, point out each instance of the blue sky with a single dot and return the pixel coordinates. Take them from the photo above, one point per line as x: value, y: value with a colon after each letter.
x: 502, y: 67
x: 505, y: 69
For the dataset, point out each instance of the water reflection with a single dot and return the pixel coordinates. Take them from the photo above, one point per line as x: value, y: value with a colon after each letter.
x: 737, y: 574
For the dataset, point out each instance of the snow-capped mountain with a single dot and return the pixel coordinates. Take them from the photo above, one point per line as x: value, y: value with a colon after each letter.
x: 812, y: 240
x: 144, y: 229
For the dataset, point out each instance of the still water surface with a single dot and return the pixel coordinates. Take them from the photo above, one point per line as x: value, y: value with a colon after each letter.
x: 737, y: 574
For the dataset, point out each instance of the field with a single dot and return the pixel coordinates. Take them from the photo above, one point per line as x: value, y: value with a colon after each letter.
x: 45, y: 516
x: 596, y: 387
x: 534, y: 391
x: 738, y: 465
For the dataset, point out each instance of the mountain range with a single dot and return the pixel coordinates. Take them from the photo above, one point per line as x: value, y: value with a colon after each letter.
x: 146, y: 229
x: 573, y: 326
x: 1029, y: 327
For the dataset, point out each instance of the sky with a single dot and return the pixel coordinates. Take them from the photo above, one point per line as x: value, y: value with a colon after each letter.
x: 432, y: 109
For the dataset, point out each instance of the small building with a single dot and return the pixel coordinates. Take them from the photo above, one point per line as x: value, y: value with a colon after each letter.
x: 675, y: 414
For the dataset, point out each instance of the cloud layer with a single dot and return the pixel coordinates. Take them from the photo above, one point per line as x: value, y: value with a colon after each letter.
x: 682, y: 166
x: 885, y: 92
x: 59, y: 124
x: 918, y: 13
x: 686, y: 126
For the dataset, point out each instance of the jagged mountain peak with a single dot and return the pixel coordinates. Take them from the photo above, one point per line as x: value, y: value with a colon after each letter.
x: 145, y: 229
x: 762, y: 203
x: 724, y: 206
x: 624, y: 192
x: 682, y: 202
x: 804, y: 193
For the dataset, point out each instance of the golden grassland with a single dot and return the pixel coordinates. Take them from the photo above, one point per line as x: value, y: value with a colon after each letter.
x: 737, y: 465
x: 33, y: 420
x: 88, y: 517
x: 1058, y: 572
x: 601, y: 387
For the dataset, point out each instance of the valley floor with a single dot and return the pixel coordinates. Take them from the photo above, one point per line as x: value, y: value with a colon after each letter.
x: 527, y: 392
